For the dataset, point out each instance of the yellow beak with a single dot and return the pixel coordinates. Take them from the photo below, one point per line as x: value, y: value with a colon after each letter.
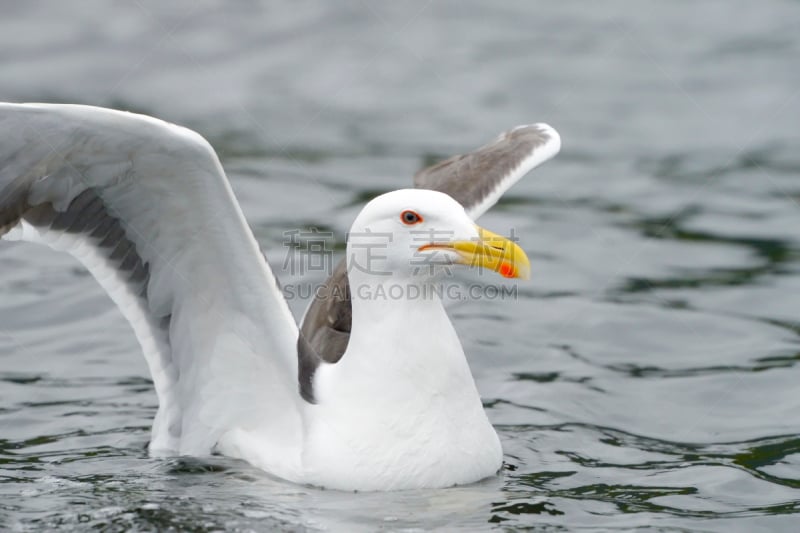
x: 490, y: 251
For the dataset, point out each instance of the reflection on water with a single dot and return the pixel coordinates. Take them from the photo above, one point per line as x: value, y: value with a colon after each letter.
x: 646, y: 376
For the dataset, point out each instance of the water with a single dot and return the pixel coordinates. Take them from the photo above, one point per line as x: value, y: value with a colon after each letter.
x: 645, y: 378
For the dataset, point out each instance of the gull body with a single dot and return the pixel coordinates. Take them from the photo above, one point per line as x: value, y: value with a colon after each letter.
x: 400, y: 409
x: 146, y: 206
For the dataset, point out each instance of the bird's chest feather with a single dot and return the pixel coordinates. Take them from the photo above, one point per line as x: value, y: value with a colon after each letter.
x: 408, y: 417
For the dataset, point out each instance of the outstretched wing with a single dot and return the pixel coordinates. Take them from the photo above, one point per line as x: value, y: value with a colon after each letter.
x: 146, y: 206
x: 477, y: 180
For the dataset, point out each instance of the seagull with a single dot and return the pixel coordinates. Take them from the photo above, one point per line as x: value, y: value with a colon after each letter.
x: 368, y: 393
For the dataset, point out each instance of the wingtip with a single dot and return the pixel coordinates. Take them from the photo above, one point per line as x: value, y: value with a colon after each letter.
x: 555, y: 137
x: 553, y: 142
x: 551, y: 131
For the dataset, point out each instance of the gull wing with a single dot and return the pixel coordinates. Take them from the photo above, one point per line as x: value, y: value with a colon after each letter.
x: 147, y: 208
x: 476, y: 180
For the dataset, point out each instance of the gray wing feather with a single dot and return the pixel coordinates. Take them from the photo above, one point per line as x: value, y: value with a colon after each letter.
x: 478, y: 179
x: 325, y: 331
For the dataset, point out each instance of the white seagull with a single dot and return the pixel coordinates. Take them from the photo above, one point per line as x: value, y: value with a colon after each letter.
x: 369, y: 393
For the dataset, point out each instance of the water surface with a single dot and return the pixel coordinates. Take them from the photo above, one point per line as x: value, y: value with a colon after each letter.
x: 647, y: 377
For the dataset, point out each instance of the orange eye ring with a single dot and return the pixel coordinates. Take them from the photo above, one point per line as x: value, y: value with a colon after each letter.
x: 409, y: 217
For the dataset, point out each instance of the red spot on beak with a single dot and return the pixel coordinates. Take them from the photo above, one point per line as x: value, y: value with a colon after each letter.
x: 506, y: 270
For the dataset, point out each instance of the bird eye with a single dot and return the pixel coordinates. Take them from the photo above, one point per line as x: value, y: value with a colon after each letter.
x: 410, y: 217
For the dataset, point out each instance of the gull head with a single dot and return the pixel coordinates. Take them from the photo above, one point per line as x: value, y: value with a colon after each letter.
x: 420, y: 234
